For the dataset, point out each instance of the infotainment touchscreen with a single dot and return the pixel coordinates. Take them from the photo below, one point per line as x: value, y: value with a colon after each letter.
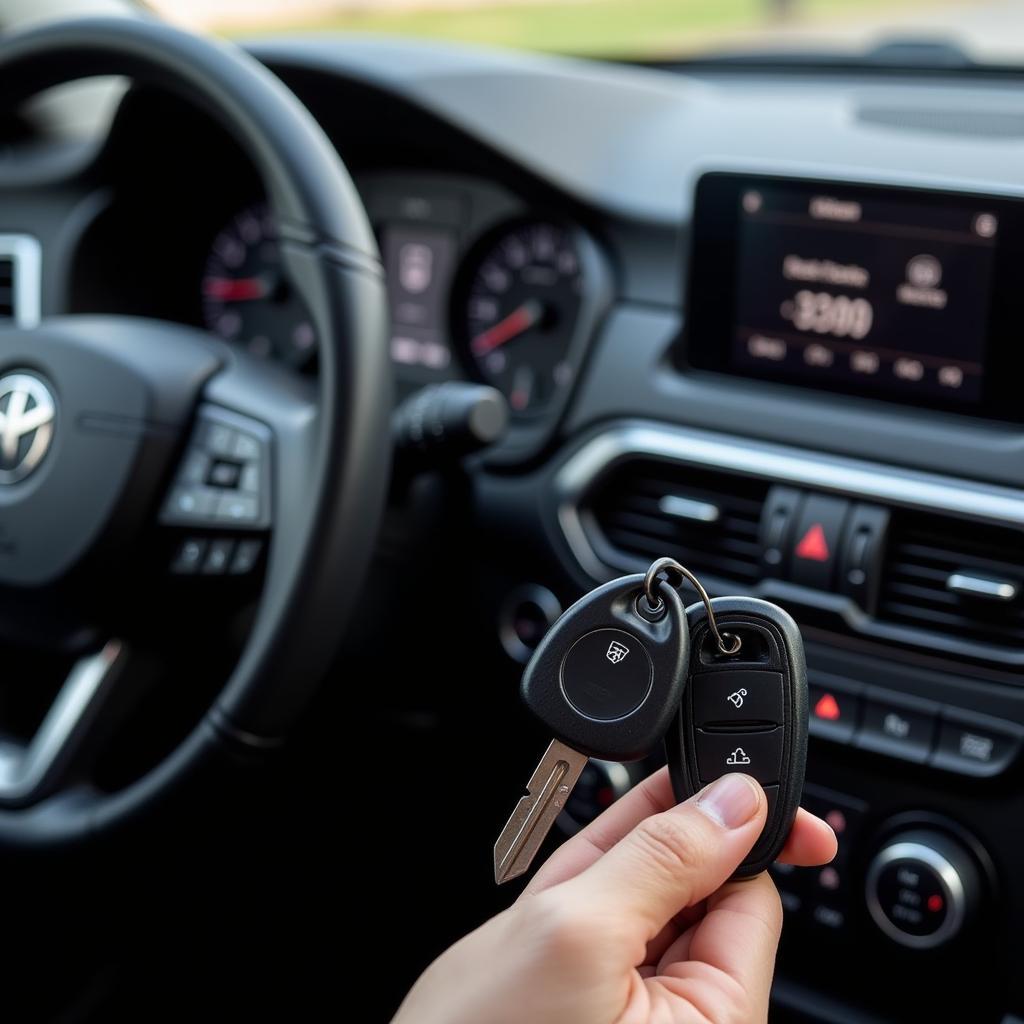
x: 881, y: 292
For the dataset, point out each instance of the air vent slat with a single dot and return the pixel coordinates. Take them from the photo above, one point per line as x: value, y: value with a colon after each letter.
x: 924, y: 551
x: 627, y: 508
x: 6, y: 288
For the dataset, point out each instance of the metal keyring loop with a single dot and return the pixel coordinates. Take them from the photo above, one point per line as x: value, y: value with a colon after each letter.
x: 670, y: 567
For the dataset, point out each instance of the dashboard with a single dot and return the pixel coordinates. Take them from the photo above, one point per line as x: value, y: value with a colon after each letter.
x: 764, y: 321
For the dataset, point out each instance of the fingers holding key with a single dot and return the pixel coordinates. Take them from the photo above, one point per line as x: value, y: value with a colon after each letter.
x: 810, y: 842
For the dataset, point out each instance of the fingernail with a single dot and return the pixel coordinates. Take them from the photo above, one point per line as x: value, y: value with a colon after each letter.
x: 731, y: 800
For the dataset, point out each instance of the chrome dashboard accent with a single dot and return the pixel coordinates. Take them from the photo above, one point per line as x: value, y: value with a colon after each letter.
x: 969, y: 585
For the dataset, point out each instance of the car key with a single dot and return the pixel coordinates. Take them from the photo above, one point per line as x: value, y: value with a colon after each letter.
x: 745, y: 712
x: 607, y: 681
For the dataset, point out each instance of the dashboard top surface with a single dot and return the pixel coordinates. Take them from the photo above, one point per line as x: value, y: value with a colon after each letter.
x: 633, y: 140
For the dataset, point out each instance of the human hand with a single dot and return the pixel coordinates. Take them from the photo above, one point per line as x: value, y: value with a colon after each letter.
x: 631, y: 921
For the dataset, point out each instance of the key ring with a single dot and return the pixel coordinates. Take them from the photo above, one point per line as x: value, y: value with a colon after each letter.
x: 670, y: 566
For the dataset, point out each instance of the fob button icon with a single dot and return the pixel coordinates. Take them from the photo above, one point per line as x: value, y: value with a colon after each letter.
x: 726, y: 698
x: 758, y: 754
x: 607, y: 674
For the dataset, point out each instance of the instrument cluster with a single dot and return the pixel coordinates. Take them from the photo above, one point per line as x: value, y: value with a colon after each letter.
x: 479, y: 287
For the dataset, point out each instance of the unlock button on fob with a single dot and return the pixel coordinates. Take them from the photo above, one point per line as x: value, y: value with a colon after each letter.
x: 758, y: 754
x: 725, y: 698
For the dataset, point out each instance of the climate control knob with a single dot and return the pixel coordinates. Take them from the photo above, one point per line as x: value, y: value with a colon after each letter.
x: 922, y: 888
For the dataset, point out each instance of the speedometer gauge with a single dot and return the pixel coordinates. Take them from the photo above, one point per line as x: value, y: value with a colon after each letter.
x: 518, y: 311
x: 247, y: 296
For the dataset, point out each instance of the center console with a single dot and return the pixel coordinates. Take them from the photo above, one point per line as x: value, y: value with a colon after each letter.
x: 891, y: 310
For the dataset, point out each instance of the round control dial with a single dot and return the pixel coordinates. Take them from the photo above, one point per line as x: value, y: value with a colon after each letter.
x: 922, y: 887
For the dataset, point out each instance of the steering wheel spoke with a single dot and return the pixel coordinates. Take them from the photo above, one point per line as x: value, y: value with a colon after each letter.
x: 67, y: 739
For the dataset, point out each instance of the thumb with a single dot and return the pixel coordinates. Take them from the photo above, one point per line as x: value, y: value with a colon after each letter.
x: 675, y: 859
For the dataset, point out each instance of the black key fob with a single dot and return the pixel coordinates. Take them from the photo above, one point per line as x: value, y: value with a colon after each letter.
x: 745, y: 712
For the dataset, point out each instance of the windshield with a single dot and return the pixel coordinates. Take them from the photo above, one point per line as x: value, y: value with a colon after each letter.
x: 985, y: 31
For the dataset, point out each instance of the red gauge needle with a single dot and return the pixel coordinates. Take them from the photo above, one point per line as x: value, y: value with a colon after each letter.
x: 518, y: 321
x: 235, y: 289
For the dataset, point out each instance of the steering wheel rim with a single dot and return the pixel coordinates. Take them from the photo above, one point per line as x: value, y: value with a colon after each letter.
x: 340, y: 444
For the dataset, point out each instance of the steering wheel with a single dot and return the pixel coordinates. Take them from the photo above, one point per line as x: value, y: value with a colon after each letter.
x: 107, y: 423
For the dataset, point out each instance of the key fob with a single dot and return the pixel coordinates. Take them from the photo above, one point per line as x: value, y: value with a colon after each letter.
x: 608, y: 676
x: 745, y: 712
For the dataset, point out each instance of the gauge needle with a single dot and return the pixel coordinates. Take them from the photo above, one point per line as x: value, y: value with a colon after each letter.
x: 235, y: 289
x: 518, y: 321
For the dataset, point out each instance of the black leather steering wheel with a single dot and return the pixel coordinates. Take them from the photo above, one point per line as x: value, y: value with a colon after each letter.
x: 104, y: 413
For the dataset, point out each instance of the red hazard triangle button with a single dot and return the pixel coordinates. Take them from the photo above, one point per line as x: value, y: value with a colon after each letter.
x: 813, y: 545
x: 816, y: 541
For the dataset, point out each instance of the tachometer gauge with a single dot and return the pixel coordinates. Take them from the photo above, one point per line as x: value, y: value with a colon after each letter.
x: 247, y: 297
x: 518, y: 311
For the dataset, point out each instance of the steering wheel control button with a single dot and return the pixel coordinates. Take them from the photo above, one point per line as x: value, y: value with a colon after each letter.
x: 190, y: 504
x: 219, y: 440
x: 832, y: 713
x: 606, y: 675
x: 246, y: 448
x: 758, y: 754
x: 816, y: 540
x: 223, y: 478
x: 972, y: 747
x: 247, y: 556
x: 727, y: 698
x: 238, y: 508
x: 189, y: 557
x: 922, y: 888
x: 224, y: 474
x: 897, y: 731
x: 218, y: 558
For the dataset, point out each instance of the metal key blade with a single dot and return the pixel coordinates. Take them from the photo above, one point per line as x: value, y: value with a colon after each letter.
x: 546, y: 793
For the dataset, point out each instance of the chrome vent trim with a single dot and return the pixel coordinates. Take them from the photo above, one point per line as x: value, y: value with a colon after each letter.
x: 852, y: 478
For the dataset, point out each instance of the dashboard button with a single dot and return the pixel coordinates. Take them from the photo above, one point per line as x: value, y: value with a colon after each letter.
x: 832, y: 714
x: 758, y: 754
x: 860, y: 567
x: 725, y: 698
x: 973, y: 749
x: 897, y: 731
x: 778, y: 517
x: 816, y: 540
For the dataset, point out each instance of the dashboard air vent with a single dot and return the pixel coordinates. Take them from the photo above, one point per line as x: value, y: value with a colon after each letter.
x: 707, y: 520
x: 6, y: 288
x: 946, y: 575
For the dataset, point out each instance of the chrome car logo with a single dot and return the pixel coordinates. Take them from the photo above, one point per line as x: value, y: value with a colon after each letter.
x: 27, y: 411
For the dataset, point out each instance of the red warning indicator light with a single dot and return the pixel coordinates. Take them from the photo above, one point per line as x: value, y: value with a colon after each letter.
x: 813, y: 546
x: 827, y: 708
x: 935, y: 903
